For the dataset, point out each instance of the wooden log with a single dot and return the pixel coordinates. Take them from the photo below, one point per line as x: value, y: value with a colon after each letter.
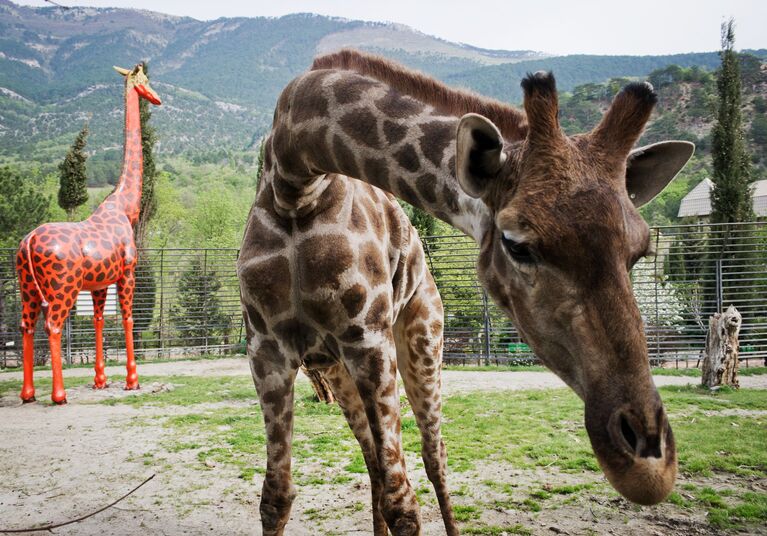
x: 320, y: 385
x: 720, y: 362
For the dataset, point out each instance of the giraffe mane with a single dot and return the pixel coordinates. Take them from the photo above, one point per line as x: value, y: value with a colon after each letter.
x: 510, y: 121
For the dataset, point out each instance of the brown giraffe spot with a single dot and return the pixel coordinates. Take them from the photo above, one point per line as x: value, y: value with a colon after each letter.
x: 362, y: 126
x: 394, y: 132
x: 450, y: 199
x: 324, y: 313
x: 345, y: 157
x: 314, y: 104
x: 262, y: 239
x: 407, y: 193
x: 426, y: 186
x: 437, y: 136
x: 371, y: 264
x: 407, y: 158
x: 398, y: 106
x: 330, y: 203
x: 349, y: 89
x: 353, y: 300
x: 255, y: 319
x: 377, y: 172
x: 322, y: 261
x: 357, y: 221
x: 378, y: 317
x: 269, y: 282
x: 352, y: 334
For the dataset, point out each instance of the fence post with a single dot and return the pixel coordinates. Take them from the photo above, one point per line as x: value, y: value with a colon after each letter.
x: 162, y: 301
x: 68, y: 338
x: 719, y: 286
x: 657, y: 301
x: 205, y: 293
x: 486, y: 320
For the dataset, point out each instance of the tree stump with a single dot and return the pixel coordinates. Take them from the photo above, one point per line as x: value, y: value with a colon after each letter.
x: 320, y: 385
x: 720, y: 362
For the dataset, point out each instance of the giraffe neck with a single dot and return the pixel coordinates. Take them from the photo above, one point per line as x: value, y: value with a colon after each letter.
x: 337, y: 122
x: 127, y: 195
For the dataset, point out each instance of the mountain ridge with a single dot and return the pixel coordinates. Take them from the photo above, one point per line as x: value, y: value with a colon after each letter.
x: 219, y: 79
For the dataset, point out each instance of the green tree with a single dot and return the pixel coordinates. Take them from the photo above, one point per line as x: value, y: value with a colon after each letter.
x: 198, y: 315
x: 148, y: 198
x: 22, y: 207
x: 73, y: 181
x: 146, y: 286
x: 731, y: 197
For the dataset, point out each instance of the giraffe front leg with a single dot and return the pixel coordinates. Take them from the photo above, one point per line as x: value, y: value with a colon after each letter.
x: 274, y: 377
x: 99, y: 300
x: 374, y: 370
x: 345, y: 392
x: 125, y: 288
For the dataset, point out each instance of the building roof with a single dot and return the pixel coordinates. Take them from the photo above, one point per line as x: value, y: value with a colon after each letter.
x: 698, y: 201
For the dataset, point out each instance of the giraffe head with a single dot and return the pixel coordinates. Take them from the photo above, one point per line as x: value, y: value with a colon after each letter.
x: 563, y: 234
x: 138, y: 81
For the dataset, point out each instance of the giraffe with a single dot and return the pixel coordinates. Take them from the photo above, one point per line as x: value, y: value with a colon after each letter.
x: 332, y: 275
x: 57, y: 260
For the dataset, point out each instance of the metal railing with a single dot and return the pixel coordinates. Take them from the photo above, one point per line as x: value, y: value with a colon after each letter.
x: 187, y: 301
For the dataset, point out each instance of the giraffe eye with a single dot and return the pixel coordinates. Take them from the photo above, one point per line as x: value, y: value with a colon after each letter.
x: 517, y: 250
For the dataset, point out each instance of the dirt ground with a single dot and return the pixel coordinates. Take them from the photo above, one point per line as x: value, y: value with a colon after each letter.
x: 57, y: 463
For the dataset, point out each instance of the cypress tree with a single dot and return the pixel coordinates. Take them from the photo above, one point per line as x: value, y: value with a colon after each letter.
x: 731, y: 197
x: 146, y: 285
x: 73, y: 181
x: 148, y: 199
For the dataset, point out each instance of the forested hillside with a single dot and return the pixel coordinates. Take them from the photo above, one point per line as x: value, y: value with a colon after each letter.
x: 219, y: 81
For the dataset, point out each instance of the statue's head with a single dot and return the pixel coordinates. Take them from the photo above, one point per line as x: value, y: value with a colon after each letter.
x: 137, y: 80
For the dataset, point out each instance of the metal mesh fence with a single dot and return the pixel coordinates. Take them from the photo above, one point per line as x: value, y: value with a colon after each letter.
x: 187, y: 301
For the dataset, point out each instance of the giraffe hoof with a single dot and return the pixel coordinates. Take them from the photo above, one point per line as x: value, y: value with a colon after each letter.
x: 100, y: 385
x: 132, y: 387
x: 60, y: 402
x: 28, y: 400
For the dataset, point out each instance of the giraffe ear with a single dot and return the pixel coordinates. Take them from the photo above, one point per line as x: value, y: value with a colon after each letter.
x: 651, y: 168
x: 479, y: 153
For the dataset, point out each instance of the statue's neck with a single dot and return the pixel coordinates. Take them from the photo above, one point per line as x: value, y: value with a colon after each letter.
x: 127, y: 195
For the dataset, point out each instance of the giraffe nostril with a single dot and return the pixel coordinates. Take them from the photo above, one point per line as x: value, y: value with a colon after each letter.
x: 628, y: 433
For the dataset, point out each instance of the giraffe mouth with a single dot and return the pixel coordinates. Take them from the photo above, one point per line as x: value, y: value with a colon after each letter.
x: 148, y: 94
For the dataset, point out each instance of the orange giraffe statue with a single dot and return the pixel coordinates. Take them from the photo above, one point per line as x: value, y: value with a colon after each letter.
x: 58, y: 260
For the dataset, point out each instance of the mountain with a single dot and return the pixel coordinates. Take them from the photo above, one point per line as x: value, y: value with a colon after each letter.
x: 219, y: 79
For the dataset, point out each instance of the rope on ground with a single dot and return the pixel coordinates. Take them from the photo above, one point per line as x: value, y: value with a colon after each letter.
x: 72, y: 521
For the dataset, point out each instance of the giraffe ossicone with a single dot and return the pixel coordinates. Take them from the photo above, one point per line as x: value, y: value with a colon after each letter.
x: 332, y: 274
x: 58, y: 260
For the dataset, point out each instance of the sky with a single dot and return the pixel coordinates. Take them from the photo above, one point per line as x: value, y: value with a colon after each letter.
x: 555, y: 26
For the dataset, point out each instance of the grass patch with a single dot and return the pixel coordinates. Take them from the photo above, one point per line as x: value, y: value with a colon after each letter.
x: 497, y: 530
x: 725, y: 508
x: 695, y: 372
x: 723, y: 431
x: 496, y: 368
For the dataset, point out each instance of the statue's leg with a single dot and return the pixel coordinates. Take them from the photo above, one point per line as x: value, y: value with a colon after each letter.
x: 345, y: 392
x: 99, y: 301
x: 419, y: 340
x: 30, y: 310
x: 56, y: 313
x: 125, y: 288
